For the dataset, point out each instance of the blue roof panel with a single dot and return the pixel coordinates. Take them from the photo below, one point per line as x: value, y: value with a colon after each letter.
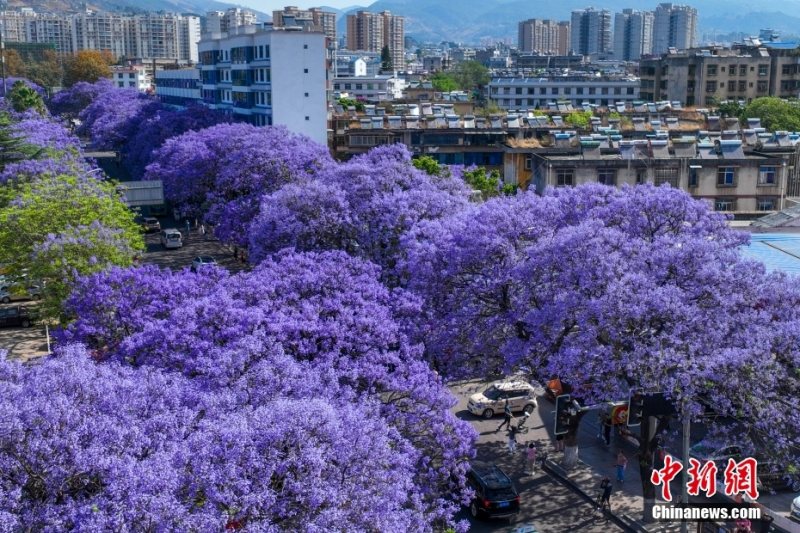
x: 778, y: 251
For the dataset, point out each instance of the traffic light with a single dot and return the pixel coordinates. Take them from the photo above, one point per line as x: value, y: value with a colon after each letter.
x: 635, y: 409
x: 563, y: 414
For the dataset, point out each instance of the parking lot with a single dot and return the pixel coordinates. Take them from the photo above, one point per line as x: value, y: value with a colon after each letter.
x: 24, y: 343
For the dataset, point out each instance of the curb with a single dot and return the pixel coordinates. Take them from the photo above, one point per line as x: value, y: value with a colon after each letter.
x: 561, y: 475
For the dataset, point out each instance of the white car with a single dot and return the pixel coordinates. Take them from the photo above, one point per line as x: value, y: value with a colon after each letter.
x: 520, y: 394
x: 18, y: 291
x: 202, y: 261
x: 795, y: 513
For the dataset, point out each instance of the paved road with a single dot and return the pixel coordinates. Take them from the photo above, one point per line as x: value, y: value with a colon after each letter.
x: 194, y: 245
x: 545, y: 502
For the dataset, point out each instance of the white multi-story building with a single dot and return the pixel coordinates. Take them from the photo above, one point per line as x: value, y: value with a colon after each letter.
x: 313, y: 19
x: 549, y: 37
x: 268, y: 76
x: 134, y: 77
x: 633, y: 34
x: 149, y: 36
x: 533, y: 93
x: 376, y: 88
x: 224, y: 21
x: 675, y: 26
x: 179, y: 87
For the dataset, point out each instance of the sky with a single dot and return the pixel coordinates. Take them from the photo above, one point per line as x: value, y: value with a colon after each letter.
x: 267, y: 6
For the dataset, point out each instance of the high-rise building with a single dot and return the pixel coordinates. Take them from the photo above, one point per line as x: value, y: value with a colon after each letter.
x: 372, y: 31
x: 544, y: 36
x: 224, y: 21
x: 268, y: 76
x: 313, y: 19
x: 149, y: 36
x: 675, y: 26
x: 633, y: 34
x: 590, y: 31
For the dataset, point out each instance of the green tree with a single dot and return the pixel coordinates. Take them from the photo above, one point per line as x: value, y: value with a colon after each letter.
x: 730, y: 109
x: 775, y: 114
x: 470, y: 75
x: 350, y: 102
x: 386, y: 58
x: 479, y: 180
x: 12, y: 148
x: 444, y: 82
x: 60, y: 227
x: 23, y: 98
x: 579, y: 119
x: 87, y: 65
x: 428, y: 165
x: 47, y: 72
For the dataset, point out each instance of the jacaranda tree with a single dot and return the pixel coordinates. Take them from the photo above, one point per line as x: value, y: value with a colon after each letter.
x: 299, y: 326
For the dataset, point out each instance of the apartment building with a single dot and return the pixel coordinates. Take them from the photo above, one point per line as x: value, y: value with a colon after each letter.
x: 224, y: 21
x: 633, y: 34
x: 377, y: 88
x: 577, y: 90
x: 372, y: 31
x: 313, y: 19
x: 674, y: 26
x: 705, y: 76
x: 148, y: 36
x: 133, y: 77
x: 542, y: 36
x: 590, y: 32
x: 180, y: 87
x: 268, y: 76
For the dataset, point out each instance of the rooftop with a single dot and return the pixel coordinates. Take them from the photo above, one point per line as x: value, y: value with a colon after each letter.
x: 780, y: 252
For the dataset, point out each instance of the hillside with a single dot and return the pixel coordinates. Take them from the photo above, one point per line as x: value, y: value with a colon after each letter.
x: 175, y: 6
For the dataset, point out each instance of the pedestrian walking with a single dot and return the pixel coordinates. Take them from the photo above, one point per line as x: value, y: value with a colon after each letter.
x: 188, y: 227
x: 203, y: 230
x: 607, y: 425
x: 506, y: 416
x: 543, y: 456
x: 530, y: 456
x: 605, y: 495
x: 512, y: 441
x: 622, y: 463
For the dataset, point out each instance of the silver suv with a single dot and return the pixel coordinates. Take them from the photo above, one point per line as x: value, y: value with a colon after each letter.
x: 521, y: 397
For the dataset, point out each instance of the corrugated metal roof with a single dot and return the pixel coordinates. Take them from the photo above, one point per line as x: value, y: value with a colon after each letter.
x: 780, y: 252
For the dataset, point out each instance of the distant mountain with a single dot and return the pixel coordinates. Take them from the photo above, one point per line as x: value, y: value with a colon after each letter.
x: 471, y: 20
x: 200, y: 7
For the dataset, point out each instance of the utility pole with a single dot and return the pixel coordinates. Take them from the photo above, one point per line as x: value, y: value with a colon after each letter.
x: 685, y: 472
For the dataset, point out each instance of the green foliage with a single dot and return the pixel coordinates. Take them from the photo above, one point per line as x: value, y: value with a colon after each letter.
x: 775, y: 113
x: 730, y: 109
x: 12, y: 148
x: 579, y: 119
x: 444, y: 82
x: 470, y: 75
x: 386, y: 58
x: 509, y: 189
x: 350, y: 102
x: 428, y: 165
x: 59, y: 227
x: 24, y: 98
x: 487, y: 184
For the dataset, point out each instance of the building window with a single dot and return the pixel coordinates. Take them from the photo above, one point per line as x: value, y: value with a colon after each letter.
x: 578, y: 90
x: 732, y: 86
x: 564, y: 177
x: 518, y: 90
x: 554, y: 90
x: 725, y: 204
x: 767, y: 175
x: 726, y: 177
x: 305, y: 47
x: 607, y: 176
x: 765, y: 204
x: 732, y: 70
x: 742, y: 86
x: 528, y: 162
x: 761, y: 86
x: 305, y: 71
x: 641, y: 176
x: 742, y: 70
x: 763, y: 70
x: 666, y: 175
x: 711, y: 86
x: 307, y: 117
x: 711, y: 70
x: 306, y: 95
x: 694, y: 177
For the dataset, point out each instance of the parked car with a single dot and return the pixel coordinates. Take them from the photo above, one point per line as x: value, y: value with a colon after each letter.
x: 171, y: 238
x: 18, y: 291
x: 495, y: 493
x: 520, y: 394
x: 795, y: 512
x: 15, y: 317
x: 151, y: 224
x: 202, y: 261
x: 718, y: 452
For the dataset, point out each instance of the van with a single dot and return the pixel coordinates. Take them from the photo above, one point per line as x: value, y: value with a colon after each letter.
x: 171, y: 238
